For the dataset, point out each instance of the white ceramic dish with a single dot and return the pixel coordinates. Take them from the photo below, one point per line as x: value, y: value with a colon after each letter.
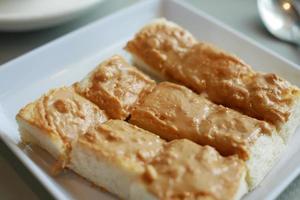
x: 27, y: 15
x: 70, y: 57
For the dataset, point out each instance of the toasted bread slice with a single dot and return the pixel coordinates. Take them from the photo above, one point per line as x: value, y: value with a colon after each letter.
x: 115, y: 86
x: 56, y: 119
x: 175, y: 54
x: 135, y: 164
x: 113, y: 155
x: 174, y: 112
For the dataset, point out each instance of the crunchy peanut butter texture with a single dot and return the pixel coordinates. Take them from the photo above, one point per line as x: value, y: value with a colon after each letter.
x: 224, y: 78
x: 173, y: 112
x: 62, y: 113
x: 115, y: 86
x: 185, y: 170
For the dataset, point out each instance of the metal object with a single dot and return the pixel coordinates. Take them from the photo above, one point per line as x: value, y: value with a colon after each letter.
x: 281, y: 18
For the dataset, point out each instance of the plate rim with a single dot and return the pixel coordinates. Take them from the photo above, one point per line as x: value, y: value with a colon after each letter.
x: 37, y: 171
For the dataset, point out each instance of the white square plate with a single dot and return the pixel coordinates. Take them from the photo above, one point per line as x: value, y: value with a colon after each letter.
x: 70, y: 57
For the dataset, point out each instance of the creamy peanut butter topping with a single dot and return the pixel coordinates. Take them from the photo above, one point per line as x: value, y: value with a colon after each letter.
x: 115, y: 86
x: 63, y: 112
x: 185, y: 170
x: 230, y: 82
x: 224, y: 78
x: 173, y: 112
x: 123, y: 143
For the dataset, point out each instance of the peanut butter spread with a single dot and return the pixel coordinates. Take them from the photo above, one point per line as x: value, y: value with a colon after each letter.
x: 64, y: 113
x: 123, y: 143
x: 185, y: 170
x: 173, y: 112
x: 224, y: 78
x: 115, y: 87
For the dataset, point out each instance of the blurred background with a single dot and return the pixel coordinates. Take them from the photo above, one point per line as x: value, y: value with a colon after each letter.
x: 16, y: 182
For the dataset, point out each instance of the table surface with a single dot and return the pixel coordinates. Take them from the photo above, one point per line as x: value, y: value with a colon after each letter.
x: 16, y: 182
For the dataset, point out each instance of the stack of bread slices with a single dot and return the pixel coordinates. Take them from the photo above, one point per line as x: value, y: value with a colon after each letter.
x: 212, y: 128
